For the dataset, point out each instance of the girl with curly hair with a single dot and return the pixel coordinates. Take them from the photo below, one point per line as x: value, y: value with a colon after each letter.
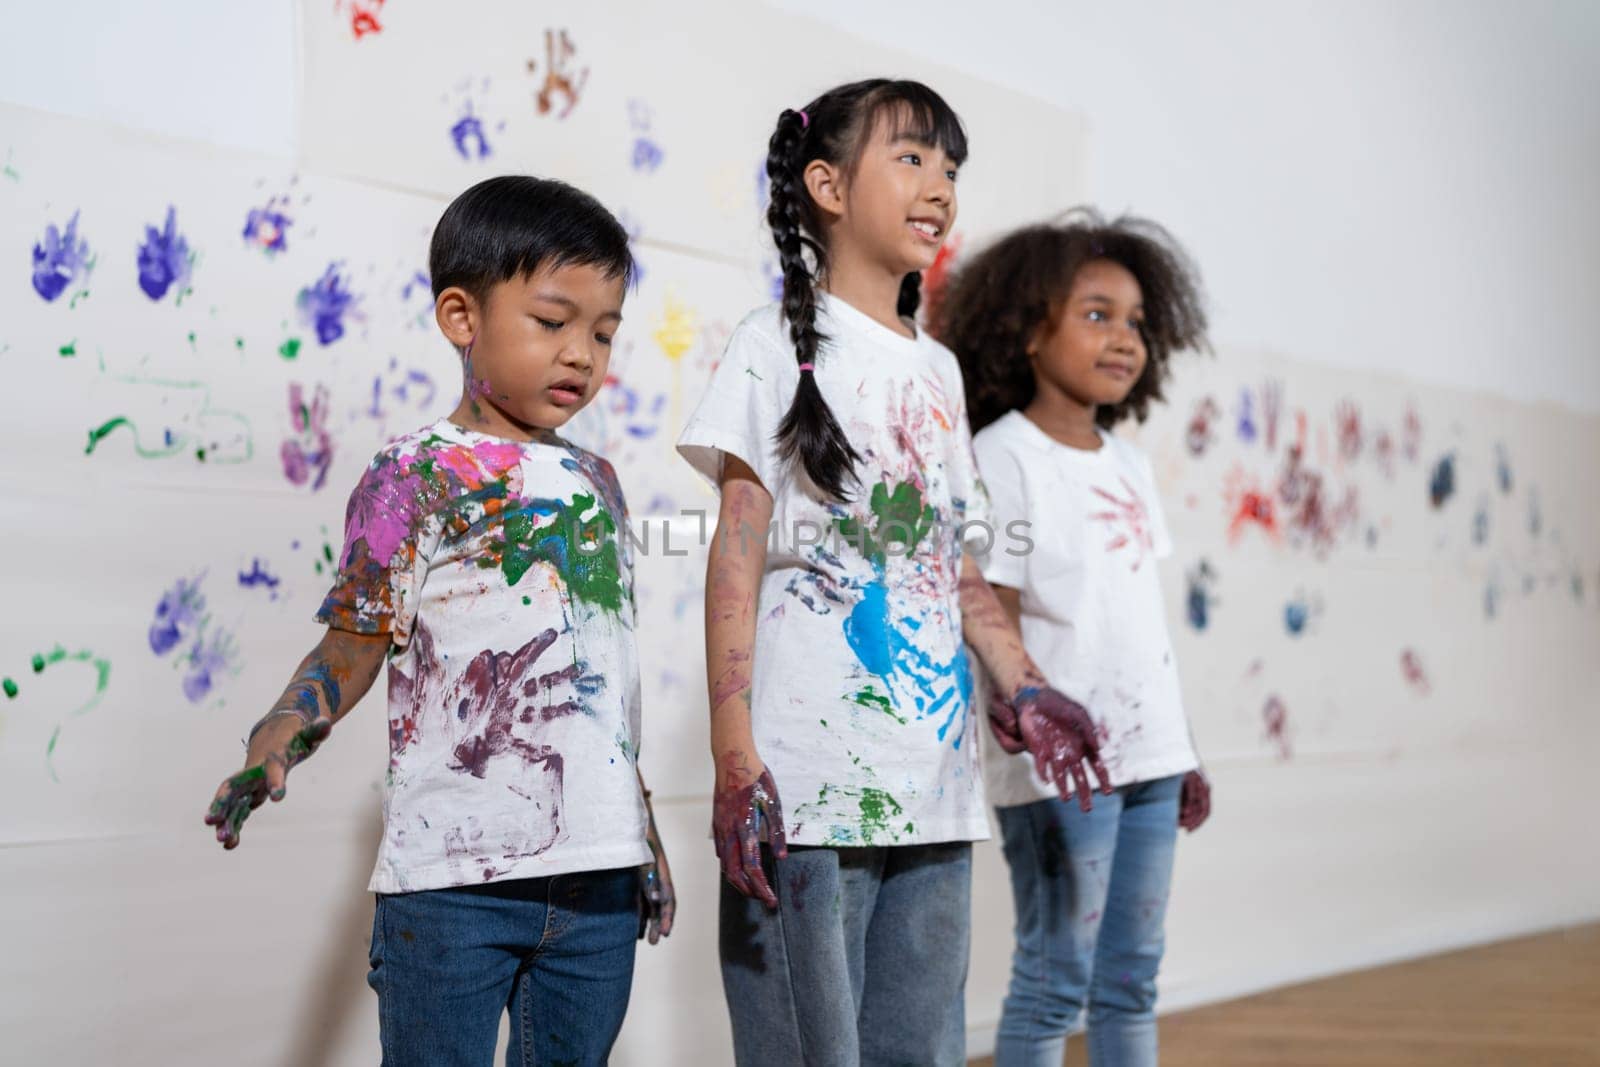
x: 1063, y: 331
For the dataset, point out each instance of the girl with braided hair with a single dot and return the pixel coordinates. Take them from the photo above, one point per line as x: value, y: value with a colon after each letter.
x: 840, y: 601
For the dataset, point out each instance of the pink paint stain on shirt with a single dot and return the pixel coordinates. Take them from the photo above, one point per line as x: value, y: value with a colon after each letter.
x: 1128, y: 521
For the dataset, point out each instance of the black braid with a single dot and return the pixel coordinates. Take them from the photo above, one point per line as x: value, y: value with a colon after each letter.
x: 910, y: 296
x: 809, y: 432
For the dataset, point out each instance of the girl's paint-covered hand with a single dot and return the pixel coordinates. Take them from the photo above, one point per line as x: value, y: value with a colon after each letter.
x: 746, y: 811
x: 281, y: 740
x: 1194, y: 801
x: 1003, y: 725
x: 658, y: 901
x: 1061, y: 737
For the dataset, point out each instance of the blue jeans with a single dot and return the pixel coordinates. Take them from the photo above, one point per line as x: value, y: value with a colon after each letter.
x: 556, y: 952
x: 864, y: 962
x: 1091, y: 901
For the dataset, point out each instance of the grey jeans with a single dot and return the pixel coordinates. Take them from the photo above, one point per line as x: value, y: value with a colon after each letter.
x: 863, y: 963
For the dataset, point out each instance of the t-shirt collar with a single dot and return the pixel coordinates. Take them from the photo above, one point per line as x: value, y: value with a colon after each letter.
x: 856, y: 321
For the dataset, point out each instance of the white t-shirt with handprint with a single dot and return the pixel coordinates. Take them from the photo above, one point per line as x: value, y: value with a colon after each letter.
x: 500, y: 572
x: 861, y: 698
x: 1093, y: 618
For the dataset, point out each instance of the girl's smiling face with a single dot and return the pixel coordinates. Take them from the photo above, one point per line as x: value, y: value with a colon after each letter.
x: 1093, y: 348
x: 897, y: 200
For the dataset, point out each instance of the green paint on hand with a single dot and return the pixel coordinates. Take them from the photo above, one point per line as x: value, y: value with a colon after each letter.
x: 11, y: 688
x: 290, y: 348
x: 68, y: 349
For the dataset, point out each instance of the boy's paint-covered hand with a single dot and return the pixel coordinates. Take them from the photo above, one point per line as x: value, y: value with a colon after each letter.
x: 281, y: 740
x: 746, y: 811
x: 658, y: 901
x: 1059, y: 733
x: 1194, y: 801
x: 329, y: 682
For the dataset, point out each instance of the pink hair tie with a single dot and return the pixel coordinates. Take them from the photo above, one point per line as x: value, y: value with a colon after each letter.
x: 805, y: 367
x: 805, y: 120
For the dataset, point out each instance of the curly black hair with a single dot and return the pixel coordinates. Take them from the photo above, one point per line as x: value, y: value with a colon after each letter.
x: 995, y: 303
x: 835, y: 127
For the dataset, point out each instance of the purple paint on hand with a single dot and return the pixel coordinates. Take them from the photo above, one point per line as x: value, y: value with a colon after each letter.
x: 324, y: 304
x: 60, y: 259
x: 164, y: 259
x: 745, y: 813
x: 177, y: 614
x: 1063, y: 741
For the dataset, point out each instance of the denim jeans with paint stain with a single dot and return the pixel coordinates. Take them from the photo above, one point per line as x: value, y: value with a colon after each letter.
x: 556, y: 952
x: 864, y: 962
x: 1091, y: 904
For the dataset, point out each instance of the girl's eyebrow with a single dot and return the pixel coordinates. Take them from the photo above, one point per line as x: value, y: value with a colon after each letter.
x: 914, y: 141
x: 1100, y: 298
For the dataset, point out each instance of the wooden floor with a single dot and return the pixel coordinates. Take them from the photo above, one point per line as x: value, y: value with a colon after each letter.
x: 1534, y: 1001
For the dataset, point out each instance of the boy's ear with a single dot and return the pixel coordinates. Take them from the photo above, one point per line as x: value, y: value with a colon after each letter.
x: 825, y: 183
x: 458, y: 315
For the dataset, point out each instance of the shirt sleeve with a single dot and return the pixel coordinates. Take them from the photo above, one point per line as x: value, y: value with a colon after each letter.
x: 745, y: 400
x: 379, y: 577
x: 1005, y: 562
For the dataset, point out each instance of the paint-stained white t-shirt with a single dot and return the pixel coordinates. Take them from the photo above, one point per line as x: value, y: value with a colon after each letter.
x: 861, y: 698
x: 1093, y: 618
x: 498, y: 570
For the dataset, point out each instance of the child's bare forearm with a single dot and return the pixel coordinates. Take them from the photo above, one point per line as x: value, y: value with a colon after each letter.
x: 333, y: 678
x: 993, y: 634
x: 733, y: 577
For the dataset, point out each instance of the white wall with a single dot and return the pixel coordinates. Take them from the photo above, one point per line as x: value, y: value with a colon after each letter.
x: 1407, y: 187
x: 1401, y: 188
